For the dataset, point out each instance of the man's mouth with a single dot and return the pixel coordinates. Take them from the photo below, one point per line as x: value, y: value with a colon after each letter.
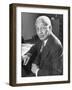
x: 41, y: 36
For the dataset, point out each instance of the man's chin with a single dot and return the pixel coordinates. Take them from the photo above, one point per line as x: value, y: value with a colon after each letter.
x: 41, y: 38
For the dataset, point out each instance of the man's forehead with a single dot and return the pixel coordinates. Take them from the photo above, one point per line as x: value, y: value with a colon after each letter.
x: 41, y: 25
x: 43, y: 22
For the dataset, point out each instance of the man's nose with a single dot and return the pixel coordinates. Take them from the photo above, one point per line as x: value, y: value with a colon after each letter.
x: 40, y: 31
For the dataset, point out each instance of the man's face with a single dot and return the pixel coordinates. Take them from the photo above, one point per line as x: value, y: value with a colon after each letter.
x: 42, y: 31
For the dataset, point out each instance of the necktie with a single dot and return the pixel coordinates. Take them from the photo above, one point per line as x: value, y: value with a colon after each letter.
x: 42, y: 46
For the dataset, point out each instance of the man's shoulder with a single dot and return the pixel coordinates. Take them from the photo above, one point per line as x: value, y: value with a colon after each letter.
x: 55, y: 40
x: 55, y: 44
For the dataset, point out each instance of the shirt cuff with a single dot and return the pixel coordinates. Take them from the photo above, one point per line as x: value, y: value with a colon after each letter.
x: 29, y: 54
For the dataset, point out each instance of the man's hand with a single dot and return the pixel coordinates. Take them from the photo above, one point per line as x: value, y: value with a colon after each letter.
x: 25, y: 59
x: 34, y: 68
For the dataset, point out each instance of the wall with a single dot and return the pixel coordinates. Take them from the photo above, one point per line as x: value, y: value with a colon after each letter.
x: 4, y: 45
x: 28, y: 25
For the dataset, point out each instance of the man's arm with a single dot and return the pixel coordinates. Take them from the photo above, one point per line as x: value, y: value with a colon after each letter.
x: 58, y: 61
x: 30, y: 55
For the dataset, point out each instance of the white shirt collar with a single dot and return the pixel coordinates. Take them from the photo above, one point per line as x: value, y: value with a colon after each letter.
x: 45, y: 41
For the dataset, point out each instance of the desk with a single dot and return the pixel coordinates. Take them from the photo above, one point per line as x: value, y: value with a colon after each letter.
x: 24, y: 49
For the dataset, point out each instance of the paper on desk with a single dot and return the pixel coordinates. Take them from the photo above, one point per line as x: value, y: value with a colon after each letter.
x: 25, y: 48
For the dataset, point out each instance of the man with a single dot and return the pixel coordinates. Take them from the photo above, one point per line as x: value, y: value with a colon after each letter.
x: 47, y: 52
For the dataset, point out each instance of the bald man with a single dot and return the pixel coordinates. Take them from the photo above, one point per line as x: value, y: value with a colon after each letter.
x: 47, y: 53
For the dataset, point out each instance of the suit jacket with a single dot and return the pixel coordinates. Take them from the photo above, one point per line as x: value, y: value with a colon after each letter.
x: 50, y: 60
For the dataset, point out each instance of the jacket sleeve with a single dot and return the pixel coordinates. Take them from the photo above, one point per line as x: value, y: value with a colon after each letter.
x: 32, y: 53
x: 58, y: 61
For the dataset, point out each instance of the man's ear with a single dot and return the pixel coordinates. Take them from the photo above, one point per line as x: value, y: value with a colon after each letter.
x: 50, y: 28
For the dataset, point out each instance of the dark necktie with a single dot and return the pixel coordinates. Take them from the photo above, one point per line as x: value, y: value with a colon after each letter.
x: 41, y: 49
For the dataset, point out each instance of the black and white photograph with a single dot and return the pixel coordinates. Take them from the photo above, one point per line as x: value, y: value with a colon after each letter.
x: 42, y: 44
x: 42, y: 54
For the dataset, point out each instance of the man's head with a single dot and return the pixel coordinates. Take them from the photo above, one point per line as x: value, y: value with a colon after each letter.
x: 43, y: 27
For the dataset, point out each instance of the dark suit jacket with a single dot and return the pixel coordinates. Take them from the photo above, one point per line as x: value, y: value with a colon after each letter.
x: 50, y: 60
